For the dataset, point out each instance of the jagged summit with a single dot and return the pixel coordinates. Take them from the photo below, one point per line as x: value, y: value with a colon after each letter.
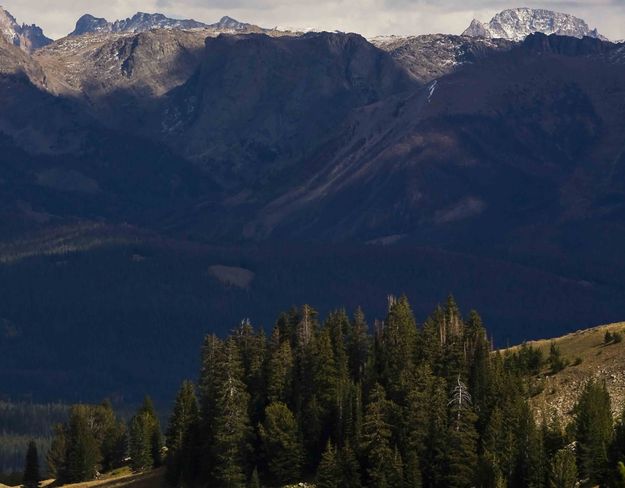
x: 517, y: 24
x: 27, y: 37
x: 140, y: 22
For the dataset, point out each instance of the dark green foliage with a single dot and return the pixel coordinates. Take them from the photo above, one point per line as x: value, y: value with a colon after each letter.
x: 281, y: 444
x: 563, y: 470
x: 145, y: 438
x: 32, y: 475
x: 83, y: 454
x: 410, y: 407
x: 182, y: 437
x: 555, y: 360
x: 594, y: 432
x: 377, y: 434
x: 92, y: 440
x: 232, y: 433
x: 328, y: 473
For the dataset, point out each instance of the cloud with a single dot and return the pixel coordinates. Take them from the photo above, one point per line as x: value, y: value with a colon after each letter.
x: 368, y: 17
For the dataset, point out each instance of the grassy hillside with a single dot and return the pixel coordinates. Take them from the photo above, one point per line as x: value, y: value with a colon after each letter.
x: 588, y: 356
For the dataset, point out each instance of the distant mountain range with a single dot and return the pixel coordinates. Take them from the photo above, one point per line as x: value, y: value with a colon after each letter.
x: 160, y: 183
x: 143, y: 22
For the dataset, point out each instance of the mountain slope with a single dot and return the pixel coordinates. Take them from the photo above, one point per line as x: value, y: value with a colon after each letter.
x: 589, y: 357
x: 268, y: 102
x: 517, y: 24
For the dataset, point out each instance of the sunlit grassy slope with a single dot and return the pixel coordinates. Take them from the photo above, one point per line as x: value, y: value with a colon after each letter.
x: 588, y: 356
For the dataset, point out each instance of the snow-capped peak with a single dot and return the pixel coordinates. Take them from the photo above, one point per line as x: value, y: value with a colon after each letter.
x: 517, y: 24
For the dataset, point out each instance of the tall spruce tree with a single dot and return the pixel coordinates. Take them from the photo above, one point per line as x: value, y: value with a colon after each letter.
x: 376, y: 440
x: 83, y: 453
x: 462, y: 439
x: 281, y: 444
x: 563, y: 470
x: 328, y: 473
x: 594, y: 431
x: 232, y: 432
x: 182, y: 439
x: 32, y: 475
x: 56, y: 458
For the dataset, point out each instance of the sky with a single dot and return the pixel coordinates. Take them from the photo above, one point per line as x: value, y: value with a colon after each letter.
x: 367, y: 17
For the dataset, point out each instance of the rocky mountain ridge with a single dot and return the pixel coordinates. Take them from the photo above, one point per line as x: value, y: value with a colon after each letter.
x: 29, y: 38
x: 517, y: 24
x: 144, y: 22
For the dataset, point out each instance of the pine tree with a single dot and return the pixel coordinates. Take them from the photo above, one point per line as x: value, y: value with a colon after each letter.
x: 358, y: 346
x: 156, y: 436
x: 594, y: 431
x: 32, y: 475
x: 376, y: 440
x: 57, y: 454
x: 140, y: 434
x: 281, y: 444
x: 110, y: 435
x: 83, y: 454
x: 563, y: 471
x: 349, y: 468
x: 182, y: 436
x: 328, y: 473
x: 399, y: 345
x: 231, y: 441
x: 280, y: 370
x: 211, y: 363
x: 462, y: 439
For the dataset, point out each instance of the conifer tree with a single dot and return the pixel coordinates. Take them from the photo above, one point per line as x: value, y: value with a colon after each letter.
x: 231, y: 439
x: 32, y: 476
x: 281, y: 444
x: 140, y: 434
x: 399, y: 348
x: 182, y: 436
x: 358, y: 346
x: 57, y: 454
x: 110, y: 435
x: 349, y: 468
x: 376, y: 440
x: 83, y: 454
x: 563, y: 470
x: 594, y: 431
x: 211, y: 355
x: 462, y: 439
x: 328, y: 473
x: 280, y: 370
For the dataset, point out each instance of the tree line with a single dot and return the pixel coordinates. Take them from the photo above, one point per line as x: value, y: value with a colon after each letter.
x: 345, y: 405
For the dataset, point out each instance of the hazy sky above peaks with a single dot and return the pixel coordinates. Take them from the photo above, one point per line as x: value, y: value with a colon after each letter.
x: 368, y: 17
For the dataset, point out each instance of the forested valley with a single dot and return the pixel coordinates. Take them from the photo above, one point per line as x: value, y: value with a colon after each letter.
x: 341, y: 403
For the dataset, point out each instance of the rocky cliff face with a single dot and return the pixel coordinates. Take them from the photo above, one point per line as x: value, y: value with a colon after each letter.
x: 517, y: 24
x: 432, y: 56
x: 29, y: 38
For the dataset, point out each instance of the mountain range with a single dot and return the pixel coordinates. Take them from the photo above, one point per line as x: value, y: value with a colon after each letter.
x: 161, y: 180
